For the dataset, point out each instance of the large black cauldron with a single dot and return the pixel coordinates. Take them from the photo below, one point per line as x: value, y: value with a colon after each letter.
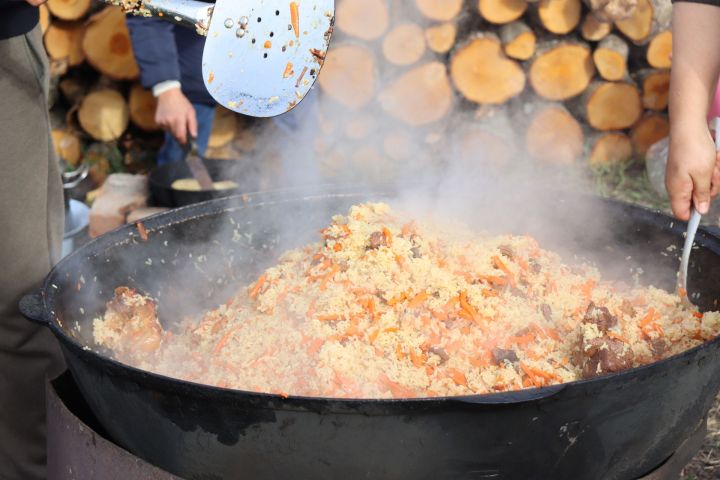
x: 614, y: 427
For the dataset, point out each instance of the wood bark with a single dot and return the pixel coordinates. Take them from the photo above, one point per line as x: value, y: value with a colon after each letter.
x: 611, y: 58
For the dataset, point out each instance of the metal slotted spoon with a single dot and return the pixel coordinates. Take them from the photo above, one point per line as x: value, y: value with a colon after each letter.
x: 692, y: 227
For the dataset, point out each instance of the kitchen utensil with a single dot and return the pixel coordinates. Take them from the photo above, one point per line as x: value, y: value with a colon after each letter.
x: 197, y: 166
x: 261, y: 57
x: 692, y: 227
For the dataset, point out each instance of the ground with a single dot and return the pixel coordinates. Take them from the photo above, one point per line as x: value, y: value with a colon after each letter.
x: 630, y: 183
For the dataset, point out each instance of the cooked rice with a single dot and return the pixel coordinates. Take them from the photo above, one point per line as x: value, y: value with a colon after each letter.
x: 384, y: 308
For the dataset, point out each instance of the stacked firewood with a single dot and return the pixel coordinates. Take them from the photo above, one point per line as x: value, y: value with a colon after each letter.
x: 97, y: 92
x: 557, y: 81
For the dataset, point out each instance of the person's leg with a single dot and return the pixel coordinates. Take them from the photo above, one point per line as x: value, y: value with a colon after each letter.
x: 205, y: 115
x: 31, y: 215
x: 172, y: 151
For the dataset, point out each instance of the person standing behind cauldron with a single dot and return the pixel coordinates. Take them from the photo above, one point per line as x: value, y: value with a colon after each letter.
x: 31, y: 230
x: 170, y: 62
x: 693, y: 171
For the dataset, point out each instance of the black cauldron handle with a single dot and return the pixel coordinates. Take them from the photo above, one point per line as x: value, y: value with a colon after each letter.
x: 505, y: 398
x: 32, y: 307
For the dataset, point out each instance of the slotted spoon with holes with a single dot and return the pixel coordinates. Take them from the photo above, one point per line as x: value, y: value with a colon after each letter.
x: 261, y: 57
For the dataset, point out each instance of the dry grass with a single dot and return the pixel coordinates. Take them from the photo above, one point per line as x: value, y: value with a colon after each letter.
x: 706, y: 464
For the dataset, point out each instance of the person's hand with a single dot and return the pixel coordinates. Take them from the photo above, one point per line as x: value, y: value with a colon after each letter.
x: 693, y: 171
x: 175, y: 114
x: 36, y: 3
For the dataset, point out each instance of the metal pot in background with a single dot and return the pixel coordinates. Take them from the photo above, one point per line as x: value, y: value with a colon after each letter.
x: 77, y: 214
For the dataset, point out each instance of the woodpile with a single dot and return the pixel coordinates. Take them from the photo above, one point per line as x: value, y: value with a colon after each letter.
x: 580, y: 81
x: 556, y: 82
x: 101, y: 114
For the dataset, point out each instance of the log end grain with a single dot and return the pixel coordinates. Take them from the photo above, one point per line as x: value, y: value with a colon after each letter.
x: 562, y: 71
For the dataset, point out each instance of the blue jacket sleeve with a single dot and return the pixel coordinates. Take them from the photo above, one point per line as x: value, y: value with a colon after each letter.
x: 153, y: 42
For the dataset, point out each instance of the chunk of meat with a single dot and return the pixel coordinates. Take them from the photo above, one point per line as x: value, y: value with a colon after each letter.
x: 659, y: 347
x: 377, y: 240
x: 605, y: 355
x: 500, y: 355
x: 546, y: 312
x: 440, y: 352
x: 132, y: 324
x: 600, y: 316
x: 627, y: 308
x: 507, y: 251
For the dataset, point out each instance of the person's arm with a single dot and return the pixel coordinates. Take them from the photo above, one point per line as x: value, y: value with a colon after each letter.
x: 157, y: 57
x: 692, y: 174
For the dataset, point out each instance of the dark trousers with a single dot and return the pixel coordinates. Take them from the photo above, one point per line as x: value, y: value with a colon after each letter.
x: 31, y: 226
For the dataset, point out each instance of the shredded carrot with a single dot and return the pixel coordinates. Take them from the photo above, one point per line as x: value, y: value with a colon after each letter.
x: 417, y: 359
x: 397, y: 299
x: 315, y: 346
x: 395, y: 388
x: 224, y: 340
x: 288, y: 70
x: 388, y: 236
x: 465, y: 305
x: 373, y: 335
x: 311, y: 308
x: 399, y: 352
x: 390, y: 329
x: 682, y: 292
x: 329, y: 276
x: 499, y: 264
x: 295, y: 18
x: 457, y: 376
x: 494, y: 280
x: 697, y: 315
x: 400, y: 260
x: 328, y: 318
x: 409, y: 228
x: 650, y: 317
x: 617, y: 336
x: 142, y: 231
x: 267, y: 44
x: 258, y: 285
x: 418, y: 300
x: 587, y: 288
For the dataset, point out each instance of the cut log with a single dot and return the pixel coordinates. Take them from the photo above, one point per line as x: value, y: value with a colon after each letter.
x: 69, y: 9
x: 609, y: 148
x: 518, y: 40
x: 559, y: 16
x: 659, y: 50
x: 67, y: 146
x: 439, y: 10
x: 404, y: 44
x: 359, y: 127
x: 483, y: 74
x: 63, y: 41
x: 349, y: 76
x: 561, y: 69
x: 44, y: 17
x: 501, y: 12
x: 611, y: 105
x: 104, y: 115
x: 142, y: 105
x: 593, y: 30
x: 420, y: 96
x: 441, y: 38
x: 554, y: 136
x: 480, y: 147
x: 397, y: 145
x: 655, y: 86
x: 610, y: 58
x: 223, y: 128
x: 611, y: 10
x: 107, y: 45
x: 649, y: 130
x: 649, y: 18
x: 363, y: 19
